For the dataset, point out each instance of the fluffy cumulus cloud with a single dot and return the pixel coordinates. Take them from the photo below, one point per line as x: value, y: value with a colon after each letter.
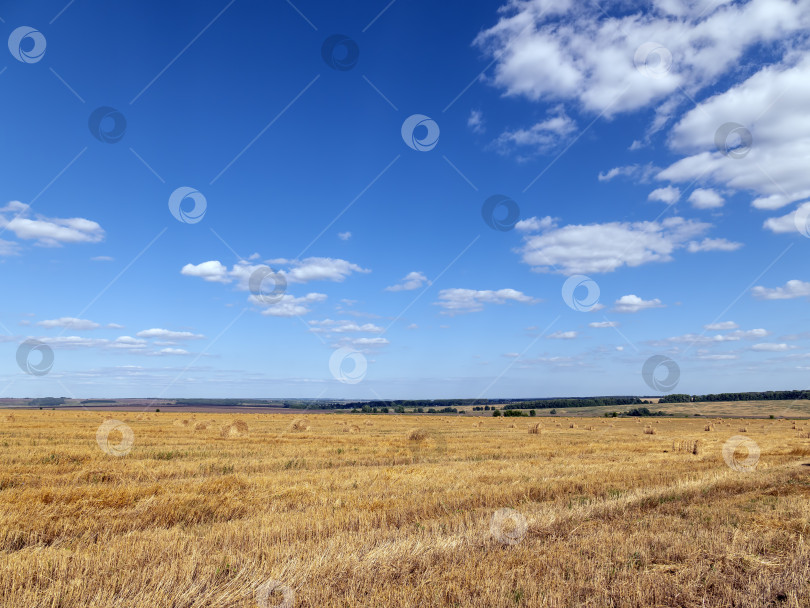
x: 603, y: 324
x: 667, y: 195
x: 296, y: 271
x: 457, y: 301
x: 70, y: 323
x: 565, y: 50
x: 413, y: 280
x: 705, y: 198
x: 789, y: 223
x: 792, y: 289
x: 288, y: 305
x: 289, y: 271
x: 722, y: 326
x: 535, y: 224
x: 595, y: 248
x: 16, y: 218
x: 541, y: 136
x: 771, y: 106
x: 632, y: 303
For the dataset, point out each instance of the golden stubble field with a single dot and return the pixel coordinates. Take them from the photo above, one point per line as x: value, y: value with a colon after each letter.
x: 332, y: 510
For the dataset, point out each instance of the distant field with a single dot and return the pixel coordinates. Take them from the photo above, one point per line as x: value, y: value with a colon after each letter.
x: 745, y: 409
x: 327, y: 511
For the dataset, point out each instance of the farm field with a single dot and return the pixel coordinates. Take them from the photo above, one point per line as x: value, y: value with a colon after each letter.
x: 188, y: 510
x: 733, y: 409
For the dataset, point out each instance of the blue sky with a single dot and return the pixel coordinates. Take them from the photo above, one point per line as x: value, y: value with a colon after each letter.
x: 657, y: 151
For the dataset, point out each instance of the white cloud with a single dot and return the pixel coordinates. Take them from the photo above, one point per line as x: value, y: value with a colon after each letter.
x: 70, y: 323
x: 603, y: 324
x: 772, y: 106
x: 172, y: 351
x: 792, y: 289
x: 632, y: 303
x: 476, y: 121
x: 535, y: 224
x: 370, y: 341
x: 298, y: 271
x: 712, y: 245
x: 102, y: 258
x: 288, y: 305
x: 593, y: 248
x: 667, y: 195
x: 546, y: 50
x: 458, y: 301
x: 773, y: 348
x: 344, y: 236
x: 413, y: 280
x: 786, y: 223
x: 722, y: 326
x: 705, y: 198
x: 342, y: 326
x: 641, y: 173
x: 212, y: 271
x: 166, y: 334
x: 562, y: 335
x: 48, y: 232
x: 541, y: 136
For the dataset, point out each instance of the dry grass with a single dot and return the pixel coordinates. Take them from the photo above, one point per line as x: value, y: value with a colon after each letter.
x: 649, y: 430
x: 300, y: 424
x: 194, y: 519
x: 236, y: 428
x: 417, y: 434
x: 535, y: 429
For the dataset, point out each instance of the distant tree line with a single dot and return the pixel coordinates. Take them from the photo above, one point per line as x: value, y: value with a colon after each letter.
x: 49, y: 401
x: 562, y: 403
x: 754, y: 396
